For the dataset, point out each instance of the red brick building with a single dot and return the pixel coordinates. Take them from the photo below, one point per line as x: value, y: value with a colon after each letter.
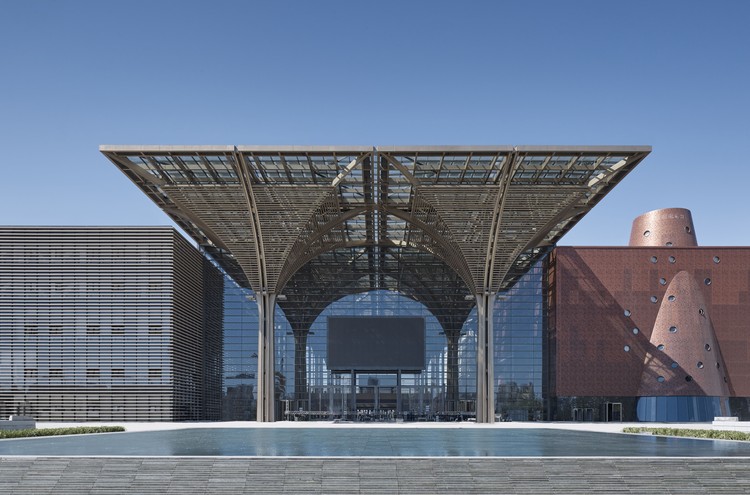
x: 661, y: 327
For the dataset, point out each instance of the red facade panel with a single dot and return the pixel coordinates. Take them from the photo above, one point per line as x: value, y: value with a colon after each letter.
x: 607, y: 298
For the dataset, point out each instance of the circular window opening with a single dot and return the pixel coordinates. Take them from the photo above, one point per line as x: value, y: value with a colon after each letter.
x: 718, y: 365
x: 660, y: 379
x: 725, y: 380
x: 701, y: 312
x: 627, y: 312
x: 707, y: 281
x: 688, y: 229
x: 635, y: 331
x: 672, y: 259
x: 646, y: 233
x: 688, y: 378
x: 708, y: 347
x: 626, y: 348
x: 654, y: 299
x: 674, y: 365
x: 660, y: 347
x: 663, y: 281
x: 671, y: 298
x: 716, y: 259
x: 669, y: 244
x: 654, y: 259
x: 672, y: 329
x: 700, y: 365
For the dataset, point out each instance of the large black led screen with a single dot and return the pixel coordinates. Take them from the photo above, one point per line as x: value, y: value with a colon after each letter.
x: 373, y: 344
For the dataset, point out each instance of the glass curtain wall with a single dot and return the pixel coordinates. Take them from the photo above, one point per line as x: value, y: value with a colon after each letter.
x: 518, y: 325
x: 519, y: 319
x: 240, y: 353
x: 423, y: 395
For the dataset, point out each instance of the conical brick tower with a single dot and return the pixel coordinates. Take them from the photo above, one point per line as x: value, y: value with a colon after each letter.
x: 683, y: 359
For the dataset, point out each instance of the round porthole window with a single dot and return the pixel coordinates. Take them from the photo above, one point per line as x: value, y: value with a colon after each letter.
x: 660, y: 379
x: 707, y: 281
x: 654, y: 259
x: 701, y: 312
x: 646, y: 233
x: 700, y: 365
x: 635, y: 331
x: 669, y: 244
x: 687, y: 229
x: 626, y: 348
x: 672, y: 259
x: 708, y: 347
x: 660, y: 347
x: 688, y: 378
x: 627, y: 312
x: 663, y: 281
x: 654, y: 299
x: 716, y: 259
x: 672, y: 329
x: 671, y: 298
x: 674, y: 365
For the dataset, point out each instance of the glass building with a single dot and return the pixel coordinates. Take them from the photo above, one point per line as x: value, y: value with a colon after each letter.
x: 519, y: 323
x: 307, y: 228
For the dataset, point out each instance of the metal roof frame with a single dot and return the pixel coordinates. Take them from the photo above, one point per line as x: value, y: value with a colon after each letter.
x: 483, y: 210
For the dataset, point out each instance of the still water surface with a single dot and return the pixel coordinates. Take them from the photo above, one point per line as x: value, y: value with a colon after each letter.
x: 418, y: 442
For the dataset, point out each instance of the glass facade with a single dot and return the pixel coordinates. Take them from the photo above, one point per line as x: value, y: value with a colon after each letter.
x: 329, y: 394
x: 240, y: 353
x: 518, y: 325
x: 308, y: 390
x: 678, y: 409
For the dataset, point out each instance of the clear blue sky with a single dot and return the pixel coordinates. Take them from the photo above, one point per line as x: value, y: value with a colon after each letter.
x: 671, y: 74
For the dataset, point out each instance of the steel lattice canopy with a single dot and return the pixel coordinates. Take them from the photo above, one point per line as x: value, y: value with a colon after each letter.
x: 434, y: 221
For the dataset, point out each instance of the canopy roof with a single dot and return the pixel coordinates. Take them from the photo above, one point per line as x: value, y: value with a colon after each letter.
x: 436, y: 222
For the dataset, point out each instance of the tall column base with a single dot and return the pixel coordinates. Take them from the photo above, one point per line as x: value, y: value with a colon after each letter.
x: 485, y: 371
x: 265, y: 379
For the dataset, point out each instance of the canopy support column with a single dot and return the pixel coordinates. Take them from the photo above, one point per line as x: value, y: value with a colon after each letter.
x: 265, y: 376
x: 485, y: 371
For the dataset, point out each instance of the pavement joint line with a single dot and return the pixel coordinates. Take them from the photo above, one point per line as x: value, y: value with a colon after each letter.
x: 367, y: 457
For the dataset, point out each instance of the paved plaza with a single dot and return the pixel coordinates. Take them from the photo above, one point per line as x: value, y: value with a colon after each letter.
x: 215, y: 475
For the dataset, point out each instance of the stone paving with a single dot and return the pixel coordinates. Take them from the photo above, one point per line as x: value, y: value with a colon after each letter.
x: 219, y: 475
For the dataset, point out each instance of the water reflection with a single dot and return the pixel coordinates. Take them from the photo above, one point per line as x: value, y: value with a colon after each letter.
x: 338, y: 442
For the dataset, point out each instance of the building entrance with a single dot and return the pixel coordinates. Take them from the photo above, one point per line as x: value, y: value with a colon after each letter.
x: 376, y: 397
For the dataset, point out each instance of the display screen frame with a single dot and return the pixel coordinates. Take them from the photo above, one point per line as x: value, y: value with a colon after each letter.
x: 374, y: 344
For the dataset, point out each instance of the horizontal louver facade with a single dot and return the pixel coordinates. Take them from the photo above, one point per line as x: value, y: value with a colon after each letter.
x: 107, y: 323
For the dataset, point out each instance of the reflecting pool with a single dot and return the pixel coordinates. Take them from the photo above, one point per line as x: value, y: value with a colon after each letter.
x: 335, y: 442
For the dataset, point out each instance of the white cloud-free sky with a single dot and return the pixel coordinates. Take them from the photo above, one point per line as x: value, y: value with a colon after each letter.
x: 672, y: 74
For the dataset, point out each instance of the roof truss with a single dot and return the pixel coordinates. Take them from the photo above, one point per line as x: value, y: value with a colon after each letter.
x: 484, y: 214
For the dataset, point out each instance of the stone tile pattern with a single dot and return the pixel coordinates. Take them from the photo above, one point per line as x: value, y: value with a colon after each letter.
x: 217, y: 475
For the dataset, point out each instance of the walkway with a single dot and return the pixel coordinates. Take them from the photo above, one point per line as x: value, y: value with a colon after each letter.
x: 215, y: 475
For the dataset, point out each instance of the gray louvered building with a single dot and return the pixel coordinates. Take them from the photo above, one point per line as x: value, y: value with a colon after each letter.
x: 108, y: 323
